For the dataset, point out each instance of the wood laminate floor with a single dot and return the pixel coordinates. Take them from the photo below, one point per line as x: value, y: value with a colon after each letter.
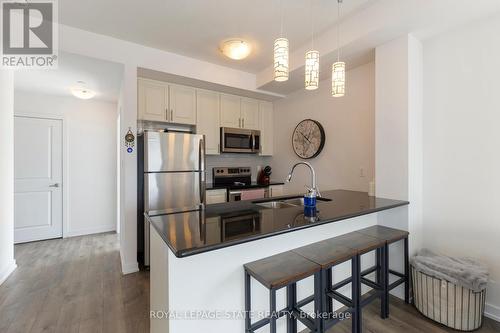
x: 403, y: 319
x: 75, y: 285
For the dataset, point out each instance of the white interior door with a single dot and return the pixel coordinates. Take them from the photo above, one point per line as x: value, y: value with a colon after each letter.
x: 37, y: 179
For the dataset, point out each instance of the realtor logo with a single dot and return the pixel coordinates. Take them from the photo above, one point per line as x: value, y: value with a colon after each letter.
x: 29, y: 34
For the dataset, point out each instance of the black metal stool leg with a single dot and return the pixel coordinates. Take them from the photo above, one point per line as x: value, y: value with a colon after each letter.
x: 356, y: 294
x: 272, y: 311
x: 379, y: 278
x: 291, y: 295
x: 407, y: 271
x: 385, y: 278
x: 328, y: 281
x: 318, y: 302
x: 248, y: 319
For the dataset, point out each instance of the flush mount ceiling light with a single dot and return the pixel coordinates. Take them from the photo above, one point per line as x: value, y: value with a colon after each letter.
x: 81, y: 91
x: 236, y: 49
x: 338, y: 68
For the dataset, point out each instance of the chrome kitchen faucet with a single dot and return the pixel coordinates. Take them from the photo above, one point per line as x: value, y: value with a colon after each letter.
x: 312, y: 191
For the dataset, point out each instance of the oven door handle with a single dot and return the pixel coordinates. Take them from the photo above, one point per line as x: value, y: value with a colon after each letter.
x: 253, y: 142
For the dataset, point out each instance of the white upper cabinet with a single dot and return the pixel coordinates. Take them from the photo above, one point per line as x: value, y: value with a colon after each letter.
x: 152, y: 100
x: 238, y: 112
x: 160, y: 101
x: 230, y: 111
x: 207, y: 119
x: 249, y: 113
x: 208, y: 110
x: 182, y: 105
x: 266, y: 128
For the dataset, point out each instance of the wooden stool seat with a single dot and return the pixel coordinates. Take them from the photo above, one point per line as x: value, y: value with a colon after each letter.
x: 281, y: 269
x: 276, y: 272
x: 360, y: 242
x: 389, y: 235
x: 327, y: 253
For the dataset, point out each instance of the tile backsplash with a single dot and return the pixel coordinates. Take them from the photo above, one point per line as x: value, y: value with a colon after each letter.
x: 236, y: 160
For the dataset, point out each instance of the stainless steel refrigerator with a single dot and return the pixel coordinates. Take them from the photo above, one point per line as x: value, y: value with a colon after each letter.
x: 173, y: 175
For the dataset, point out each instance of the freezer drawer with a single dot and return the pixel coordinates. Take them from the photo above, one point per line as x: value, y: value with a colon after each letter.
x: 165, y: 152
x: 173, y: 191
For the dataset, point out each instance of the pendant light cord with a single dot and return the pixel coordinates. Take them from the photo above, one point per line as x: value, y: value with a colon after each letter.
x: 282, y: 15
x: 312, y: 23
x: 338, y: 29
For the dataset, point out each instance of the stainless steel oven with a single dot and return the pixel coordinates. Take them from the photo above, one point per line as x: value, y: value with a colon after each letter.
x: 237, y: 140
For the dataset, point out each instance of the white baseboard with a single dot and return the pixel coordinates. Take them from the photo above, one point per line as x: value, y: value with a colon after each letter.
x: 128, y: 268
x: 89, y: 231
x: 4, y: 274
x: 492, y: 311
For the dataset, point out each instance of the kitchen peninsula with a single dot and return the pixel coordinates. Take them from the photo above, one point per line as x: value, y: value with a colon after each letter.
x: 197, y: 257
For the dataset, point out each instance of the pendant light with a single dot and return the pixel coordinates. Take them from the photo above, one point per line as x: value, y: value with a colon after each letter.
x: 312, y: 62
x: 281, y: 54
x: 338, y: 68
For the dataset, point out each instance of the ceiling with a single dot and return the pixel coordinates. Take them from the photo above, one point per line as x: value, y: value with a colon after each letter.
x: 195, y: 28
x: 104, y: 77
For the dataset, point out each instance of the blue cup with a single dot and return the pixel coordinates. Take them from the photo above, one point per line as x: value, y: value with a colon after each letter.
x: 309, y: 201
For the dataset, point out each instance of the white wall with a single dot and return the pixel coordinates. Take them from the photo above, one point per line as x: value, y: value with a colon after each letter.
x: 89, y: 158
x: 398, y: 139
x: 7, y: 262
x: 349, y: 127
x: 461, y: 147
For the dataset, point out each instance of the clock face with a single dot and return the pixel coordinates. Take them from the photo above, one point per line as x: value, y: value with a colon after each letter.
x: 308, y: 139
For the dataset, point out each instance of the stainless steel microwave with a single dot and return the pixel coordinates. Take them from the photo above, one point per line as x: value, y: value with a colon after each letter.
x: 237, y: 140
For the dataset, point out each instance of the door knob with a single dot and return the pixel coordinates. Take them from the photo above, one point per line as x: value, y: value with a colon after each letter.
x: 54, y: 185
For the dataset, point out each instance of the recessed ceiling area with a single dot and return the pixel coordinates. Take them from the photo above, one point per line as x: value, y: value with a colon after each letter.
x: 195, y: 28
x: 101, y: 76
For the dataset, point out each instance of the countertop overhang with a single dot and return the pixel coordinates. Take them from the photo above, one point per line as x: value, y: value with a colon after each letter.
x: 228, y: 224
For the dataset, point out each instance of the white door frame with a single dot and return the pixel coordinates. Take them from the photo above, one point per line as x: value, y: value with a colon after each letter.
x: 65, y: 162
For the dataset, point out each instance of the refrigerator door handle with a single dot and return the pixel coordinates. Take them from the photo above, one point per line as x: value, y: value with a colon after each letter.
x: 202, y: 170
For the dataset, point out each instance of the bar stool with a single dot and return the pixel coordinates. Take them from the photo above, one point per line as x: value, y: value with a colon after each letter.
x: 390, y: 236
x: 327, y: 254
x: 276, y: 272
x: 364, y: 244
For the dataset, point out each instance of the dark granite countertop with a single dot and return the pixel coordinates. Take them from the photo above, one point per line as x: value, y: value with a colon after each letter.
x: 211, y: 186
x: 228, y: 224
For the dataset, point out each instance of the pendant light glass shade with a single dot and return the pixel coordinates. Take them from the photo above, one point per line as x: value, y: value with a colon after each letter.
x: 312, y: 70
x: 338, y: 79
x: 281, y: 51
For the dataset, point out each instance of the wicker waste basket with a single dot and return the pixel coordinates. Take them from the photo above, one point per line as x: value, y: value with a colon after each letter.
x: 447, y: 301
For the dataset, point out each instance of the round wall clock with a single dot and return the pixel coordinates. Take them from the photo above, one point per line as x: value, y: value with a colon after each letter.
x: 308, y: 139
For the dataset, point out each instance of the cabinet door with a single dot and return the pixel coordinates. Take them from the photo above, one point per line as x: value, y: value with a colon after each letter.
x: 207, y: 119
x: 230, y: 107
x: 275, y: 190
x: 152, y: 100
x: 266, y: 128
x: 250, y: 113
x: 216, y: 196
x: 182, y: 105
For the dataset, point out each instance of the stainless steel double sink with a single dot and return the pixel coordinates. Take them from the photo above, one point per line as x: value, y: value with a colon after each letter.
x: 296, y: 201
